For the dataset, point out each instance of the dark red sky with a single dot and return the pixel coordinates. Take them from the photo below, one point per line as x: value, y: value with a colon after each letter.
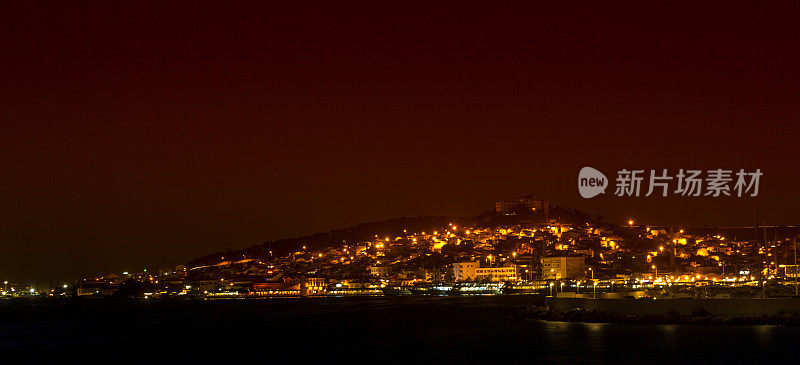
x: 153, y: 134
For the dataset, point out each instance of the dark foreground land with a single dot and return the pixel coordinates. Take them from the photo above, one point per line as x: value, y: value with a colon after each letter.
x: 358, y: 330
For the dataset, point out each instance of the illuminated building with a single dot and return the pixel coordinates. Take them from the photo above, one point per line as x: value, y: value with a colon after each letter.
x: 465, y: 271
x: 472, y: 271
x: 563, y: 267
x: 314, y: 286
x: 379, y: 271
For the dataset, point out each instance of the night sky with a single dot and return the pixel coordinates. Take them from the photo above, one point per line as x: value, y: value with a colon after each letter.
x: 146, y: 136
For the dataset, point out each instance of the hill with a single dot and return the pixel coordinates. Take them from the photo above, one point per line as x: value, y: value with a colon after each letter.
x: 360, y: 232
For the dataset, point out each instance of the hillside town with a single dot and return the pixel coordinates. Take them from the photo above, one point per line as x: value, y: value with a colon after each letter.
x: 535, y: 251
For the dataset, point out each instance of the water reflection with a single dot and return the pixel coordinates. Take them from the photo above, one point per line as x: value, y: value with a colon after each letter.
x: 764, y: 334
x: 563, y: 341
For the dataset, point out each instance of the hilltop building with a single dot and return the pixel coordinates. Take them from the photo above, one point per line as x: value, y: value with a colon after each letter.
x: 523, y: 205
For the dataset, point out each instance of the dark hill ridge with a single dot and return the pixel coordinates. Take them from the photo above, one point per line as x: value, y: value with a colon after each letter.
x: 392, y: 228
x: 358, y: 233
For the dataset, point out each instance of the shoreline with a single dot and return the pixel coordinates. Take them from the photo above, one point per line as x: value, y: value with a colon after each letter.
x: 699, y: 317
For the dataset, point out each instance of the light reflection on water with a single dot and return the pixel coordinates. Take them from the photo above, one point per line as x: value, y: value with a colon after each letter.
x: 566, y: 341
x: 765, y: 334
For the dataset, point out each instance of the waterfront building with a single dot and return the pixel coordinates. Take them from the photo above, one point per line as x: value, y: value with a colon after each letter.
x: 314, y: 286
x: 465, y: 271
x: 277, y: 288
x: 379, y: 271
x: 563, y: 267
x: 503, y: 273
x: 472, y: 271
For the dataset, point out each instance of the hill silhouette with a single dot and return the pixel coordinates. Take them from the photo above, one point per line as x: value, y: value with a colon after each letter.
x: 388, y: 228
x: 350, y: 235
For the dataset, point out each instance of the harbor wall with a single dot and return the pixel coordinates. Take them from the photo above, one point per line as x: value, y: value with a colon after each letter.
x: 718, y: 307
